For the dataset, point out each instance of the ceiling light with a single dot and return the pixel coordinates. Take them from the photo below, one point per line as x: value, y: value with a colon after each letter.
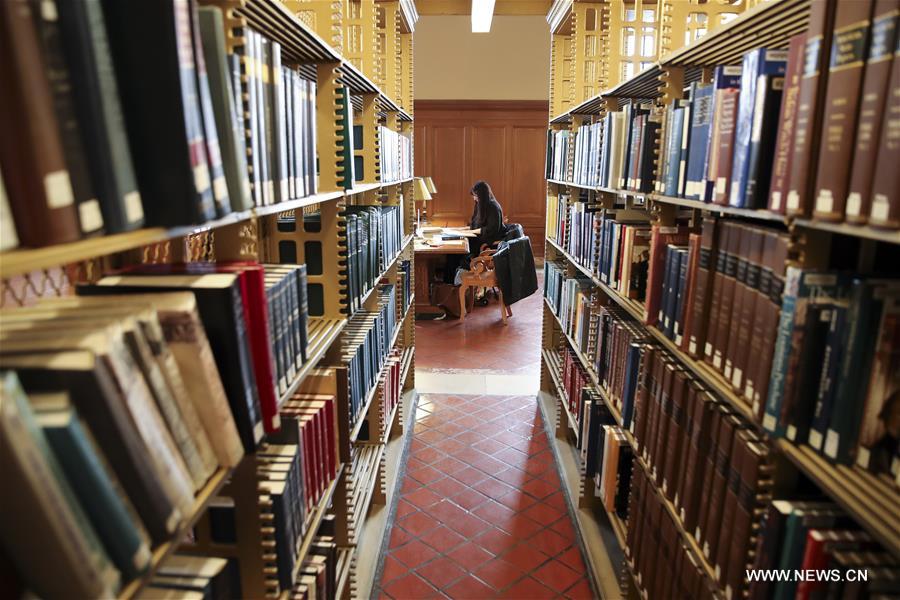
x: 482, y: 14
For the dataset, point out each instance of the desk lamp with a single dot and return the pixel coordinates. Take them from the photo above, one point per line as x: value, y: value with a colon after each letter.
x: 421, y: 194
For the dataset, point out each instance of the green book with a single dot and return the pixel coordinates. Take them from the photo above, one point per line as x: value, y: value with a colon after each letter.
x: 345, y: 121
x: 42, y: 525
x: 125, y: 542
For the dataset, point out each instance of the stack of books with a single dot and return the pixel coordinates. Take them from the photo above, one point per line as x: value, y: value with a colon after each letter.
x: 114, y: 418
x: 282, y: 486
x: 558, y: 155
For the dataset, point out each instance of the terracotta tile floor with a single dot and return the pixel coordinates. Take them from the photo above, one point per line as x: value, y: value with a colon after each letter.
x: 481, y: 512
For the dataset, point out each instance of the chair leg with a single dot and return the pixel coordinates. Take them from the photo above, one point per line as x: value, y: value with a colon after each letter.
x: 502, y: 308
x: 462, y: 302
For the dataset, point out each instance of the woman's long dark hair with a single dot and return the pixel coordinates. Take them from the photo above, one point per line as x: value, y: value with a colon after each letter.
x: 482, y: 190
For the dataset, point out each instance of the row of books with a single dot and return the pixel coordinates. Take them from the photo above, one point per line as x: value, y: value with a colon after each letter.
x: 288, y: 304
x: 575, y: 381
x: 606, y: 455
x: 569, y: 299
x: 585, y: 164
x: 124, y: 421
x: 374, y: 239
x: 694, y: 445
x: 395, y: 155
x: 189, y: 577
x: 365, y: 348
x: 664, y: 566
x: 404, y: 272
x: 318, y: 578
x: 812, y: 535
x: 558, y: 154
x: 389, y: 392
x: 105, y: 96
x: 834, y: 382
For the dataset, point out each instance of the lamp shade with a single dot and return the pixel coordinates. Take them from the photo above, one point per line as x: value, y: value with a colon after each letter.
x: 421, y: 190
x: 430, y: 185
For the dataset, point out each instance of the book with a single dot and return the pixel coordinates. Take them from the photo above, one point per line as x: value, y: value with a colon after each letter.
x: 724, y: 78
x: 726, y: 112
x: 45, y: 508
x: 164, y: 126
x: 8, y: 237
x: 33, y: 160
x: 872, y: 102
x: 227, y: 114
x: 810, y: 103
x: 756, y: 64
x: 786, y: 125
x: 885, y: 205
x: 762, y: 139
x: 849, y: 49
x: 701, y: 121
x: 124, y: 540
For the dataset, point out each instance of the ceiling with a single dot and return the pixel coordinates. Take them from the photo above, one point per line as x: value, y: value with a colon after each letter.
x: 501, y: 7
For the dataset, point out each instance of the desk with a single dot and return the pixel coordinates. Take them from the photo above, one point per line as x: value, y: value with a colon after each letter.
x: 427, y: 257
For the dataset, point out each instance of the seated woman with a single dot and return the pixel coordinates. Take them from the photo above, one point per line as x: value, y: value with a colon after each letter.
x: 487, y: 222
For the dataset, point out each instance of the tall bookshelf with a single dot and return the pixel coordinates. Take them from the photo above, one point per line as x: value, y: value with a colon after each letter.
x: 688, y: 41
x: 366, y: 47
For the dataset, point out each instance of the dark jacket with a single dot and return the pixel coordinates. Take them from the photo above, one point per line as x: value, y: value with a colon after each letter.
x: 490, y: 223
x: 514, y: 265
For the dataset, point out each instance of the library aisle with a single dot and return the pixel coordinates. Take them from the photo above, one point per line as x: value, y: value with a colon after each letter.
x: 481, y: 512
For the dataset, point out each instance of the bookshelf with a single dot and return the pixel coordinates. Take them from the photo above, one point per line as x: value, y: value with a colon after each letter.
x: 870, y: 500
x: 315, y: 41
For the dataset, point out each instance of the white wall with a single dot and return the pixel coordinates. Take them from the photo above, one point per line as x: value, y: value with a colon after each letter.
x: 512, y: 62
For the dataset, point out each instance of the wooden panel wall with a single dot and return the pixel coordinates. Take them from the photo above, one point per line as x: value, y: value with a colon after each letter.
x: 458, y: 142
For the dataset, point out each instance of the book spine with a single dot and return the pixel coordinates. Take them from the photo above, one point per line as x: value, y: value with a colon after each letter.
x: 701, y: 101
x: 762, y: 140
x: 787, y: 124
x: 810, y: 103
x: 871, y: 108
x: 885, y: 211
x: 828, y: 378
x: 728, y: 108
x: 781, y: 357
x: 849, y: 49
x: 726, y: 299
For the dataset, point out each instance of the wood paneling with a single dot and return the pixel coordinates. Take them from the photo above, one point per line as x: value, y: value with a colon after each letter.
x: 502, y: 142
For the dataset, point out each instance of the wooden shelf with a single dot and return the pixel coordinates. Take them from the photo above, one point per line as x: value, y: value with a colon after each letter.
x: 344, y: 567
x: 406, y: 242
x: 370, y: 395
x: 891, y: 236
x: 164, y: 550
x: 26, y: 260
x: 364, y: 470
x: 312, y: 523
x: 322, y: 333
x: 873, y: 502
x: 555, y: 368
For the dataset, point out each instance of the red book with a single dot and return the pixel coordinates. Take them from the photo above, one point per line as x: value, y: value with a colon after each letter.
x: 820, y: 545
x: 687, y: 316
x: 781, y: 169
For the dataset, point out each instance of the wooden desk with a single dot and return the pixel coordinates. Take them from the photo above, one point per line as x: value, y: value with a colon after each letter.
x: 427, y: 257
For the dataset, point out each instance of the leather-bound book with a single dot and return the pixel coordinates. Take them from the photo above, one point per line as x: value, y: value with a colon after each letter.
x: 725, y: 231
x: 849, y: 49
x: 689, y: 406
x: 821, y: 544
x: 708, y: 474
x: 90, y: 217
x: 727, y: 108
x: 751, y: 307
x: 700, y: 441
x: 99, y: 112
x: 153, y: 54
x: 719, y: 336
x: 31, y: 151
x: 684, y: 318
x: 742, y: 295
x: 753, y: 492
x: 807, y: 127
x: 642, y: 398
x: 661, y: 238
x: 786, y: 125
x: 674, y: 450
x: 702, y: 288
x: 656, y: 375
x: 885, y: 211
x: 633, y: 522
x: 873, y: 99
x: 765, y: 326
x: 728, y: 428
x: 719, y: 552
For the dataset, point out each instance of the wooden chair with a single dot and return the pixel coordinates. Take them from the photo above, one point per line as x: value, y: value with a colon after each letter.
x: 481, y: 274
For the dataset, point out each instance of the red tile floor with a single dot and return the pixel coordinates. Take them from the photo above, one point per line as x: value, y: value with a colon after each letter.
x: 481, y: 512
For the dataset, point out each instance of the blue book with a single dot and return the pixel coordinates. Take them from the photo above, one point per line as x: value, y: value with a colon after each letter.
x: 831, y: 366
x: 664, y: 298
x: 761, y: 61
x: 678, y: 324
x: 701, y: 120
x: 126, y: 544
x: 724, y: 77
x: 673, y: 152
x: 674, y: 271
x: 632, y: 365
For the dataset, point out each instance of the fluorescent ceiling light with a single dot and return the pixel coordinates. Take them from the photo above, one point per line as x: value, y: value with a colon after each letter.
x: 482, y: 14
